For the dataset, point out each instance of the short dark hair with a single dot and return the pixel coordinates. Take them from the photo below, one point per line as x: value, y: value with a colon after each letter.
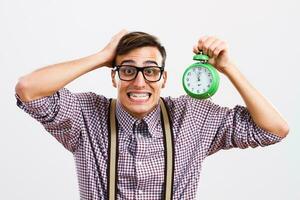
x: 139, y: 39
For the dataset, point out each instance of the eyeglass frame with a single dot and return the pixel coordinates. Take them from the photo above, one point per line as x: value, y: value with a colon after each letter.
x: 116, y: 68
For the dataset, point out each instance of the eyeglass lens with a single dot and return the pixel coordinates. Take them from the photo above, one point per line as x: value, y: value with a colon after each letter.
x: 151, y: 73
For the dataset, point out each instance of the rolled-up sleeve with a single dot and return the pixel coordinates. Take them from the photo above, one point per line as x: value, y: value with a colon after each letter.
x: 234, y: 128
x: 60, y: 114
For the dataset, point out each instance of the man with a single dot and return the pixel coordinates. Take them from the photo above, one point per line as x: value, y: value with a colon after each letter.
x: 199, y: 127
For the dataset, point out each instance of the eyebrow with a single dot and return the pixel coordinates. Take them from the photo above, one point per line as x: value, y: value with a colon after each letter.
x: 133, y: 62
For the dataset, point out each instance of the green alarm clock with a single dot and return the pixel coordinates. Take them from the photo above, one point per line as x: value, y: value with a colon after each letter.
x: 200, y: 80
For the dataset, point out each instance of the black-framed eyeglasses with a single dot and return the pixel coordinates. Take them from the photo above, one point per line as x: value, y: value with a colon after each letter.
x: 129, y: 72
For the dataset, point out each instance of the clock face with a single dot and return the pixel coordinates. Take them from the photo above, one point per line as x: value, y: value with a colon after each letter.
x: 198, y: 80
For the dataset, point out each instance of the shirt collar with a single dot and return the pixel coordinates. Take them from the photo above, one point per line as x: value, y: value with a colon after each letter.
x: 126, y: 121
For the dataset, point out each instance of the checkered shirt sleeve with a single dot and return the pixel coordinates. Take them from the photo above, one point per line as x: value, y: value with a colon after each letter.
x: 62, y: 114
x: 222, y: 127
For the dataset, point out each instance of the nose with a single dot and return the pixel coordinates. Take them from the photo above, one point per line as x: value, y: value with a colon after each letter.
x: 139, y: 80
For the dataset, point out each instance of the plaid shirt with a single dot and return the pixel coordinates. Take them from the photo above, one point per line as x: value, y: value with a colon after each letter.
x: 80, y: 123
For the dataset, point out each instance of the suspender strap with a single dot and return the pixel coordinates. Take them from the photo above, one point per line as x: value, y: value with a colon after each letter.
x: 112, y: 147
x: 169, y: 151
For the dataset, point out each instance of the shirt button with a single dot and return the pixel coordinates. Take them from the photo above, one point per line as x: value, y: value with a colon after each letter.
x: 140, y: 191
x: 139, y: 163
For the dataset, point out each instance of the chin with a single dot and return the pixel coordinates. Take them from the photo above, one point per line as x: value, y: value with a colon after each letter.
x: 138, y: 108
x: 139, y: 111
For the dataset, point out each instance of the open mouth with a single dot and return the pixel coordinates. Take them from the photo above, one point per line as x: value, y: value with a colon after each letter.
x: 139, y: 96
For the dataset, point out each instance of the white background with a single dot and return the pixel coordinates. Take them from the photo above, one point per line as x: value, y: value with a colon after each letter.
x: 263, y: 37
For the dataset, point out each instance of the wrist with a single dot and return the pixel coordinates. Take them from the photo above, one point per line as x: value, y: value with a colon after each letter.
x: 229, y: 69
x: 102, y: 58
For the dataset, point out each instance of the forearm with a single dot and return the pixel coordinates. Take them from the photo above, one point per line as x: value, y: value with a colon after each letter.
x: 49, y: 79
x: 261, y: 111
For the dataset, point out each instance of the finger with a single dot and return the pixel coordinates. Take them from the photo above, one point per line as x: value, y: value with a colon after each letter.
x: 222, y: 47
x: 201, y: 42
x: 123, y: 32
x: 119, y: 35
x: 212, y: 47
x: 195, y: 49
x: 207, y: 43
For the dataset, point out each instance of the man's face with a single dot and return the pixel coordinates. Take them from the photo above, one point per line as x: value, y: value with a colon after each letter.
x: 139, y: 96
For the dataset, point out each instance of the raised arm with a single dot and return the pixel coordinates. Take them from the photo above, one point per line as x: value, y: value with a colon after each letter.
x: 261, y: 111
x: 47, y: 80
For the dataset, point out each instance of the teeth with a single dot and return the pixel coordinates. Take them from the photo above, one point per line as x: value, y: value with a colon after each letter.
x: 139, y: 96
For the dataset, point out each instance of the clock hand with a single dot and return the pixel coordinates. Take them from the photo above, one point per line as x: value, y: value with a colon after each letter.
x: 198, y: 76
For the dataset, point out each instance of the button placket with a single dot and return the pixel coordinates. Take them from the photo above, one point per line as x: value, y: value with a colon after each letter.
x: 141, y: 133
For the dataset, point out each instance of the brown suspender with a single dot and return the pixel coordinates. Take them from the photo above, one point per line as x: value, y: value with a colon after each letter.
x: 169, y: 152
x: 113, y: 151
x: 112, y: 147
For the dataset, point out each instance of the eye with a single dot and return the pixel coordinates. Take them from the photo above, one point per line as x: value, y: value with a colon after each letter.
x: 151, y: 71
x: 126, y: 70
x: 148, y: 71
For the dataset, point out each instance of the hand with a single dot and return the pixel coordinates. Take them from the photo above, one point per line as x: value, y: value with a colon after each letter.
x: 217, y: 51
x: 110, y: 49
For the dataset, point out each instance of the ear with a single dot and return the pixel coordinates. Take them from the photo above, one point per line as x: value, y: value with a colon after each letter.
x: 113, y: 78
x: 164, y: 77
